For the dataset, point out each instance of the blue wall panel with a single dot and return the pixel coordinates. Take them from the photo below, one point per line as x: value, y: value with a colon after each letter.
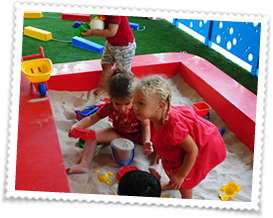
x: 239, y: 38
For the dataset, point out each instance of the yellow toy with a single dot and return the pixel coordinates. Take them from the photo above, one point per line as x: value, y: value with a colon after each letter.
x: 37, y: 71
x: 104, y: 176
x: 97, y: 23
x: 31, y: 14
x: 37, y: 33
x: 228, y: 191
x: 167, y: 196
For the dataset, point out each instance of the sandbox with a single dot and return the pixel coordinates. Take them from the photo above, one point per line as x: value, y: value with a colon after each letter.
x: 40, y: 152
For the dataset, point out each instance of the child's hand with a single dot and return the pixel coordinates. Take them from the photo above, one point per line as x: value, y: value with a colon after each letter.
x: 148, y: 148
x: 176, y: 181
x: 71, y: 129
x: 86, y: 33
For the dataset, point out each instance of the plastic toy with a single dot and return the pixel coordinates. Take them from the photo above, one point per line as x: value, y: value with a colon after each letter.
x: 80, y: 17
x: 86, y: 112
x: 167, y: 196
x: 207, y: 116
x: 222, y: 131
x: 83, y: 133
x: 80, y: 27
x: 90, y: 109
x: 104, y: 176
x: 87, y: 44
x: 37, y: 33
x: 125, y: 169
x: 31, y: 14
x: 37, y: 71
x: 134, y: 26
x: 201, y: 108
x: 228, y: 191
x: 97, y: 23
x: 123, y: 151
x: 76, y: 24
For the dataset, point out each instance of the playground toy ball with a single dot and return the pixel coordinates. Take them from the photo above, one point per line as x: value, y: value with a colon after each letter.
x: 104, y: 176
x: 228, y: 191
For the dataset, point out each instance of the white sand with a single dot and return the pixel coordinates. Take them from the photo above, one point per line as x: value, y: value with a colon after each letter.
x: 237, y: 166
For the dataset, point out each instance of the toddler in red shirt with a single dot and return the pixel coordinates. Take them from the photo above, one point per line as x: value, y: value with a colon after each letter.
x: 119, y: 47
x: 120, y: 111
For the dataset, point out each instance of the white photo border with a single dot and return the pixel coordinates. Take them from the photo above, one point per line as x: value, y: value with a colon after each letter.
x: 19, y: 9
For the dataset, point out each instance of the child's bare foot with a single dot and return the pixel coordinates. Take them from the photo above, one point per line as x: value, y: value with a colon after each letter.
x: 77, y: 169
x: 156, y: 169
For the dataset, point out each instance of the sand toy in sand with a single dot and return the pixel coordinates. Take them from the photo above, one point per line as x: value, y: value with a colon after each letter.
x: 228, y: 191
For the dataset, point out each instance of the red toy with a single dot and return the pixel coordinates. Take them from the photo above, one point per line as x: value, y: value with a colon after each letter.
x: 80, y: 17
x: 125, y: 169
x: 79, y: 132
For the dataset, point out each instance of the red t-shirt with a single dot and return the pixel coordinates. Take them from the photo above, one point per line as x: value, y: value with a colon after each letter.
x: 181, y: 123
x: 161, y: 214
x: 126, y: 123
x: 124, y: 33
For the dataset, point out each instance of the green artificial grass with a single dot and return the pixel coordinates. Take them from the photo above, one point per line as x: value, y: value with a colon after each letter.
x: 153, y: 36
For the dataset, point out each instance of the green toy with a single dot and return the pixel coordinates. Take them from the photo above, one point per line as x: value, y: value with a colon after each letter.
x: 80, y: 28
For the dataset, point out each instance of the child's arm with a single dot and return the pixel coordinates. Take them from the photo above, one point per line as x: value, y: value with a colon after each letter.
x: 85, y: 122
x: 146, y: 137
x: 110, y: 32
x: 191, y: 149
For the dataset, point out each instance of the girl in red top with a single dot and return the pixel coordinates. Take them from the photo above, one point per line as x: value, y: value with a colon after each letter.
x: 189, y: 145
x: 121, y: 114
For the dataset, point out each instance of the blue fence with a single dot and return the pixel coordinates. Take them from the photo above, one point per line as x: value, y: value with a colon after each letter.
x: 242, y: 39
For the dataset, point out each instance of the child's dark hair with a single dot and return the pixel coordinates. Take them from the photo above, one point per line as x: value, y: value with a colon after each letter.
x: 121, y: 84
x: 139, y: 183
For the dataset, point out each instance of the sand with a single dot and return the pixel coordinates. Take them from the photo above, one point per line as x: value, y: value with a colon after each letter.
x: 237, y: 167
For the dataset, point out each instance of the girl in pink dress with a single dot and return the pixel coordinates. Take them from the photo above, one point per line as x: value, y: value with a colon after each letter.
x: 189, y: 145
x: 121, y: 114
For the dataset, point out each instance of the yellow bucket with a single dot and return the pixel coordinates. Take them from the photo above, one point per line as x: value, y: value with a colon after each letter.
x: 38, y: 70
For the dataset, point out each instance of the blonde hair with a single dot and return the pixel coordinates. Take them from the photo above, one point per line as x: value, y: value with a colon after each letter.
x: 157, y: 89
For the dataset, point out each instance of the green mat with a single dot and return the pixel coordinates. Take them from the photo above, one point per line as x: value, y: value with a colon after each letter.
x: 153, y: 36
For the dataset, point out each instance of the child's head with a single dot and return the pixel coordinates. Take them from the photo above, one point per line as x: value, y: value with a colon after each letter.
x: 139, y: 183
x: 121, y: 86
x: 152, y: 94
